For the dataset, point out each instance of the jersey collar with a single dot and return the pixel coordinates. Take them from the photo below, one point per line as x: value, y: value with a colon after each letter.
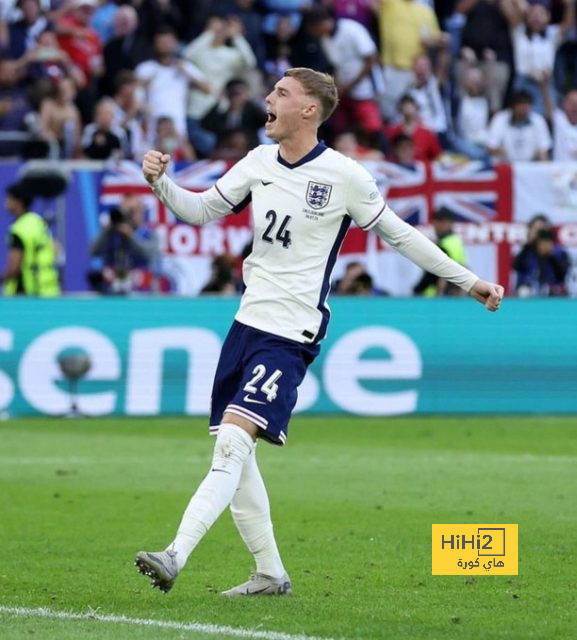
x: 311, y: 155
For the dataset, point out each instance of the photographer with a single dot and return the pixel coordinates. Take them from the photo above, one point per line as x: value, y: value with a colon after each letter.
x: 542, y: 264
x: 125, y: 246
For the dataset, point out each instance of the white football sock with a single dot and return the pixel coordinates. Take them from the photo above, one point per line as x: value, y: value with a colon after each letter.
x: 232, y: 448
x: 251, y: 513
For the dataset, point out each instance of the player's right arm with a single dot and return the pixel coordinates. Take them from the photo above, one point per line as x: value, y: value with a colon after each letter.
x: 227, y: 195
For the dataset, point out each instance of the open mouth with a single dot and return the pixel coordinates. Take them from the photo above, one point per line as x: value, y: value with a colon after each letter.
x: 270, y: 117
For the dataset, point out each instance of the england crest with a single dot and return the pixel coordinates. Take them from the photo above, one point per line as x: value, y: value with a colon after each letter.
x: 318, y: 194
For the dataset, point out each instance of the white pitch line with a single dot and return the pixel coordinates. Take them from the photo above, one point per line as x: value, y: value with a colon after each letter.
x: 23, y: 460
x: 198, y: 627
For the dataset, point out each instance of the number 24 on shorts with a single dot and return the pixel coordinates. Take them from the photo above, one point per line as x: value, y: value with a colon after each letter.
x: 268, y: 387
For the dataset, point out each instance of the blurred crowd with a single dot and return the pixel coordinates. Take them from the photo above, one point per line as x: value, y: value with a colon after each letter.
x: 489, y: 80
x: 110, y: 78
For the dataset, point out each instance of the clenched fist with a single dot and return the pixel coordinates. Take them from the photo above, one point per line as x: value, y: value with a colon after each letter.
x: 154, y: 165
x: 488, y: 293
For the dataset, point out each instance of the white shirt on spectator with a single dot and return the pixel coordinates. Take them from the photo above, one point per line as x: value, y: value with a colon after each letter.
x: 535, y: 53
x: 346, y: 50
x: 134, y: 140
x: 167, y: 91
x: 219, y: 65
x: 519, y: 142
x: 473, y: 118
x: 564, y: 137
x: 430, y: 103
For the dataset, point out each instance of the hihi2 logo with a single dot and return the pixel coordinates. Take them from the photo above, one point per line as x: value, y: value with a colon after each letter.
x: 475, y: 549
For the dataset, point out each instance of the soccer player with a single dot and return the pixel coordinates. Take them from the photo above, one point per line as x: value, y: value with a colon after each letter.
x: 304, y: 197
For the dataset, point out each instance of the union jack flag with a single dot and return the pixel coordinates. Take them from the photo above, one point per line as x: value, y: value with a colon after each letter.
x: 473, y: 191
x: 126, y: 178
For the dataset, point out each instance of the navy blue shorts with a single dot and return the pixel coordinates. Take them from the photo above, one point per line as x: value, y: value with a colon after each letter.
x: 257, y: 378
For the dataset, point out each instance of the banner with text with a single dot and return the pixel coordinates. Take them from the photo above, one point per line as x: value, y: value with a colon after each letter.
x: 152, y: 356
x: 492, y: 206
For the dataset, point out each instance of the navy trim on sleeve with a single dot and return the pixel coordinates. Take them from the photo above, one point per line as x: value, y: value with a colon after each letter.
x: 221, y: 194
x: 243, y: 203
x: 236, y: 208
x: 372, y: 222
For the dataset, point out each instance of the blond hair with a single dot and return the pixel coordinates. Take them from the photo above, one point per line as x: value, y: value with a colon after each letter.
x: 318, y: 85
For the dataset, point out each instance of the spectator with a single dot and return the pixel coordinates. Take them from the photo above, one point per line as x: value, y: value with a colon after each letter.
x: 353, y: 54
x: 519, y: 134
x: 355, y: 282
x: 431, y: 285
x: 305, y: 48
x: 486, y: 42
x: 23, y: 33
x: 129, y: 115
x: 363, y: 286
x: 221, y: 53
x: 102, y: 139
x: 535, y: 42
x: 125, y: 246
x: 31, y: 263
x: 82, y: 44
x: 126, y: 49
x: 47, y: 61
x: 565, y: 129
x: 537, y: 223
x: 222, y: 278
x: 14, y: 106
x: 403, y: 151
x: 541, y: 265
x: 167, y: 79
x: 408, y: 28
x: 565, y: 67
x: 169, y: 141
x: 347, y: 142
x: 165, y: 13
x: 426, y: 143
x: 427, y: 94
x: 60, y: 120
x: 473, y: 113
x: 279, y: 49
x: 236, y: 111
x: 233, y: 146
x: 246, y: 11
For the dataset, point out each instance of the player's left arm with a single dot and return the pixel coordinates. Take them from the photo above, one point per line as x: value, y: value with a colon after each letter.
x: 369, y: 210
x: 415, y: 246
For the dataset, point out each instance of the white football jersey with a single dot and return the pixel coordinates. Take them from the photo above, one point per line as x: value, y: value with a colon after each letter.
x: 301, y: 214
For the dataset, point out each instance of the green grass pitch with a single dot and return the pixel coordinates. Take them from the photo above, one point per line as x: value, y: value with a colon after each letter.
x: 353, y: 501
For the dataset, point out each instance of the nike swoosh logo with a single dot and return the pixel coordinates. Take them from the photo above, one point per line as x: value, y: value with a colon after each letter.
x: 247, y: 398
x: 265, y: 183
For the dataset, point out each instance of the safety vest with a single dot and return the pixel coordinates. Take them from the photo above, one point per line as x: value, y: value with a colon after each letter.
x: 37, y: 270
x: 453, y: 246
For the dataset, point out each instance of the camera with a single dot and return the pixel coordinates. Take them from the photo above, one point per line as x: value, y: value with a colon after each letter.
x: 117, y: 217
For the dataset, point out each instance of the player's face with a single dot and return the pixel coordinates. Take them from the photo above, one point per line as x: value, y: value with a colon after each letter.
x: 287, y: 106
